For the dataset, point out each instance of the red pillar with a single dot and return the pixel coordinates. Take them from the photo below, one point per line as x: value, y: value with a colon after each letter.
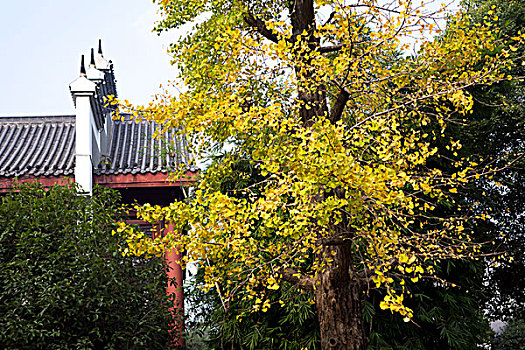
x: 175, y: 274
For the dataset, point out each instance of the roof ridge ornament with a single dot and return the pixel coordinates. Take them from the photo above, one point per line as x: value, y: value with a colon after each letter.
x: 82, y: 67
x: 82, y: 84
x: 92, y: 72
x: 92, y: 62
x: 100, y: 62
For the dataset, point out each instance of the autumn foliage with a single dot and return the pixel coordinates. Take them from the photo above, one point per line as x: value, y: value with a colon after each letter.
x: 343, y: 107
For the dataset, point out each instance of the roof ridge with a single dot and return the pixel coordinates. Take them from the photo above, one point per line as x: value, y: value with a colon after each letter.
x: 37, y: 120
x: 38, y: 116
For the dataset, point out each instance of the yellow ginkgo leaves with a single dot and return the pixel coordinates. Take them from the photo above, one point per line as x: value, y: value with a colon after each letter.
x: 338, y: 137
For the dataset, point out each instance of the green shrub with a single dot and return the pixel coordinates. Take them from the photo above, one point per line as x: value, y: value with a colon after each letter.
x: 64, y: 283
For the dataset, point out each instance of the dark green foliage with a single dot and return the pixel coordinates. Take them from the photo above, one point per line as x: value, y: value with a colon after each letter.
x: 444, y: 317
x: 497, y: 133
x: 64, y: 282
x: 291, y: 326
x: 513, y: 337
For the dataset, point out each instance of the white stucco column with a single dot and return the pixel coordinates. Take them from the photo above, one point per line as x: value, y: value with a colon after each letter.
x: 100, y: 139
x: 104, y: 66
x: 83, y: 90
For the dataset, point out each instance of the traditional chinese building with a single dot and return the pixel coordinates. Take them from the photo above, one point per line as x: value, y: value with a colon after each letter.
x: 90, y: 148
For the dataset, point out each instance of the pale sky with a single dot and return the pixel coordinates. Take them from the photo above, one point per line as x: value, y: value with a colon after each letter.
x: 41, y: 43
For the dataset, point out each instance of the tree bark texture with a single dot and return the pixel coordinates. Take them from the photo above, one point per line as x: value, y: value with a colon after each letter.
x: 311, y: 94
x: 338, y: 301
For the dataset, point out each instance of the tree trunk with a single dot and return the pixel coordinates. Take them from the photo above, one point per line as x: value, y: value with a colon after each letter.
x: 311, y: 94
x: 338, y: 301
x: 337, y: 291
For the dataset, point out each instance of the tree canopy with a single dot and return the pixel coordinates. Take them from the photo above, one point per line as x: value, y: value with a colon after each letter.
x: 349, y: 133
x: 445, y: 317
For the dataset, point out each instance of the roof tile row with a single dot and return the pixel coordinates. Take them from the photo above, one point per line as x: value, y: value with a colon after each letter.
x: 134, y: 149
x: 45, y: 146
x: 37, y: 146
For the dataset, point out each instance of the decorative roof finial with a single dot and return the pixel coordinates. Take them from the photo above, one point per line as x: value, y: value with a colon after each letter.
x: 92, y: 63
x: 100, y: 62
x: 82, y: 67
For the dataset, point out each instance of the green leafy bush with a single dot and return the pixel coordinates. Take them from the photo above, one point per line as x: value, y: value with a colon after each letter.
x: 64, y: 283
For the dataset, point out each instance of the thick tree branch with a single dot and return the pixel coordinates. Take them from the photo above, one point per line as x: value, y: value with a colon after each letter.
x: 332, y: 241
x: 330, y: 18
x: 339, y: 106
x: 295, y: 278
x: 302, y: 16
x: 332, y: 48
x: 259, y: 24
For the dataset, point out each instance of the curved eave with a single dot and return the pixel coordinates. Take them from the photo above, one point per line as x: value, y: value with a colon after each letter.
x: 146, y: 180
x: 158, y: 179
x: 8, y: 183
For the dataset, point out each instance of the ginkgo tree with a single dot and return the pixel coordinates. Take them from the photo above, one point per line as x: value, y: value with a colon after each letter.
x: 342, y: 106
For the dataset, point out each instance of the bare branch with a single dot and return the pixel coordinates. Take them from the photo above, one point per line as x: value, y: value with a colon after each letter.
x: 259, y: 24
x: 332, y: 48
x: 330, y: 18
x: 294, y: 277
x: 339, y: 106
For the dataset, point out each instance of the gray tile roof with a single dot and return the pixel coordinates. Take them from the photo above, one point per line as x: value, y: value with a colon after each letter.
x: 45, y: 146
x: 134, y: 149
x: 38, y: 146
